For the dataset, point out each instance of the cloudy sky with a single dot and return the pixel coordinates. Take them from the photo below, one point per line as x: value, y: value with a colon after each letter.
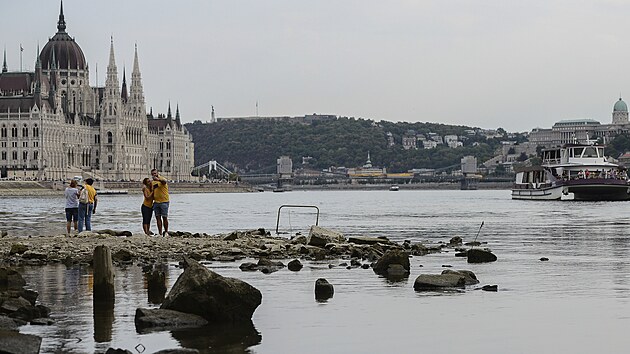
x: 501, y: 63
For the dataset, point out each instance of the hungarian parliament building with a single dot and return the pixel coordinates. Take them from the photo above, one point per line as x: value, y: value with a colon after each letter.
x: 54, y: 125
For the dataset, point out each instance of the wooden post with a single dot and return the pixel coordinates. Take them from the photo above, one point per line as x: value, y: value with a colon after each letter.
x: 103, y: 274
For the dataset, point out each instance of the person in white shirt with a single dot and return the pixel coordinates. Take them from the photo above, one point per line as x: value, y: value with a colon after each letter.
x: 72, y: 206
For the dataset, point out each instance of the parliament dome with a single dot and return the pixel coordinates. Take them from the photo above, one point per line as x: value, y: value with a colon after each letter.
x: 63, y: 50
x: 620, y: 106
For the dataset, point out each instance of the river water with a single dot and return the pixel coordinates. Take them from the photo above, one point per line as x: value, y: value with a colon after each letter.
x: 577, y: 302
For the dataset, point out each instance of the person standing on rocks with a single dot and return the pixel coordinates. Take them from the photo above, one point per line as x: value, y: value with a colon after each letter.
x: 72, y: 206
x: 147, y: 206
x: 87, y: 207
x: 160, y: 201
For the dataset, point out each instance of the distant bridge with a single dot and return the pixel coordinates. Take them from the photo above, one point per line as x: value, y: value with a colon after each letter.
x: 213, y: 165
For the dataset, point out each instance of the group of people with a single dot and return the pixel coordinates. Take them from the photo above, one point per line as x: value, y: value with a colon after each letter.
x: 611, y: 173
x: 156, y: 200
x: 81, y: 203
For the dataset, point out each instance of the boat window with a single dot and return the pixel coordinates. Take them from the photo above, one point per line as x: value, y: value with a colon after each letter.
x: 590, y: 152
x: 600, y: 152
x: 576, y: 152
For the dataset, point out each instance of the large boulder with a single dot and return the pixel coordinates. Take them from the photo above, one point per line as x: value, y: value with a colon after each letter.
x: 426, y: 282
x: 318, y: 236
x: 7, y: 323
x: 393, y: 256
x: 10, y: 279
x: 14, y: 343
x: 477, y: 255
x: 218, y: 299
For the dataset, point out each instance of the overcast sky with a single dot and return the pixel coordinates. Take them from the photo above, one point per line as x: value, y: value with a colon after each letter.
x: 510, y: 64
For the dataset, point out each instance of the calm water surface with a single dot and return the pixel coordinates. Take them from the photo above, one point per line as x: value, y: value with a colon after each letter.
x: 577, y: 302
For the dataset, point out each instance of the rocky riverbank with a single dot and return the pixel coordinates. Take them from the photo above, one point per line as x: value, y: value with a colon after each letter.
x: 129, y: 248
x: 193, y: 300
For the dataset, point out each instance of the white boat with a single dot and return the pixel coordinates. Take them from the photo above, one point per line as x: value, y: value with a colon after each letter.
x: 394, y: 188
x: 573, y: 169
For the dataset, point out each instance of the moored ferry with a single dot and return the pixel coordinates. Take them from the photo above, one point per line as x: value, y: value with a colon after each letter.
x: 580, y: 170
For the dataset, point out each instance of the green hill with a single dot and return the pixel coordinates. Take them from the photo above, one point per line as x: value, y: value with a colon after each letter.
x: 254, y: 145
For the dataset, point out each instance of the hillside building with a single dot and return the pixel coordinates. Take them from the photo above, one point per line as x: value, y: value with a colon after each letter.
x: 583, y: 130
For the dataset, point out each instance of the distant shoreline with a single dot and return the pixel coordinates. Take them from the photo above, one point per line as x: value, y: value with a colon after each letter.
x: 56, y: 188
x: 49, y: 188
x: 413, y: 186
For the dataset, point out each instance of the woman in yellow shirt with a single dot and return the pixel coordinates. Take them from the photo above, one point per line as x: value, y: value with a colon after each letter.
x: 147, y: 206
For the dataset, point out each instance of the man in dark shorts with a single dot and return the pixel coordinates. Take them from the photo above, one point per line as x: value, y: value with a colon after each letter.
x: 72, y: 206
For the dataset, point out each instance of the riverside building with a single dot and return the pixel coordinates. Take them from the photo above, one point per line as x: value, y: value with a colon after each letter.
x: 54, y: 125
x: 583, y: 130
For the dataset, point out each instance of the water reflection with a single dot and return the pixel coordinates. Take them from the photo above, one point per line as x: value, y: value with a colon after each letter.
x: 103, y: 320
x: 220, y: 338
x: 155, y: 283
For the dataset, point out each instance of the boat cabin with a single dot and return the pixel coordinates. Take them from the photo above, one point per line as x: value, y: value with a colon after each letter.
x: 573, y: 153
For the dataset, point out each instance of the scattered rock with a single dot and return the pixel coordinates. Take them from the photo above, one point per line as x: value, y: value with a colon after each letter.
x: 319, y: 236
x: 42, y: 321
x: 13, y: 342
x: 249, y: 267
x: 123, y: 255
x: 162, y: 319
x: 365, y: 240
x: 323, y: 289
x: 477, y: 255
x: 490, y: 288
x: 393, y: 256
x: 177, y: 351
x: 18, y: 248
x: 7, y: 324
x: 11, y: 279
x: 418, y: 249
x: 455, y: 241
x: 117, y: 351
x: 544, y: 259
x: 469, y: 276
x: 429, y: 282
x: 295, y: 265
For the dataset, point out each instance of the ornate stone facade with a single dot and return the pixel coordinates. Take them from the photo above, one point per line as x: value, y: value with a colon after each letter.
x: 583, y: 130
x: 54, y: 125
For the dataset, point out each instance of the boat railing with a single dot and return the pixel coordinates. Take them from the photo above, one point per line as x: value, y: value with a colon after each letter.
x: 552, y: 161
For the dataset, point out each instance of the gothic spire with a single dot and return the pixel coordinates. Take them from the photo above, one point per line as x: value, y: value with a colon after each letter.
x: 61, y: 25
x: 123, y: 93
x: 112, y: 59
x: 4, y: 64
x: 169, y: 115
x: 177, y: 112
x: 136, y: 66
x: 136, y: 92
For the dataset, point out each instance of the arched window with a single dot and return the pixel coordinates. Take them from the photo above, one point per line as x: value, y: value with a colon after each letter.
x: 25, y: 131
x: 110, y: 137
x: 14, y: 131
x: 4, y: 131
x: 24, y: 155
x: 168, y: 145
x: 35, y: 131
x: 14, y: 155
x: 35, y: 154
